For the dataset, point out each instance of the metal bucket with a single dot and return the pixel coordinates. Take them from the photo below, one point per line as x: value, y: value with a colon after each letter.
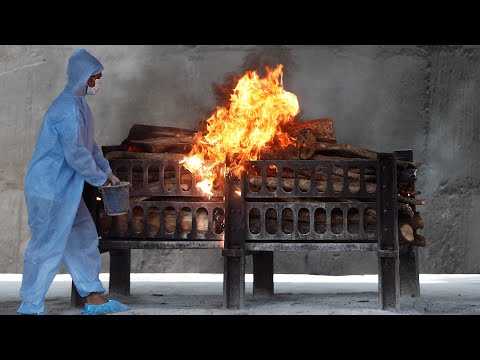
x: 116, y: 198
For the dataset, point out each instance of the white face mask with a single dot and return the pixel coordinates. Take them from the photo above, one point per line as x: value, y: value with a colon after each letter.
x: 94, y: 90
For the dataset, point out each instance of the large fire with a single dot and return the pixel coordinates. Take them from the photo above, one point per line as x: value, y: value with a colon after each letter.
x: 258, y: 107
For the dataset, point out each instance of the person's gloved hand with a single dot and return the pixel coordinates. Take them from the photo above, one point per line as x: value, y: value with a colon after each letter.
x: 113, y: 179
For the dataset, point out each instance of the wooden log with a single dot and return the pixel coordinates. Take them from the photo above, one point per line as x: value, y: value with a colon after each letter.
x: 305, y: 141
x: 169, y: 219
x: 154, y: 217
x: 291, y: 152
x: 400, y: 164
x: 304, y: 177
x: 105, y: 222
x: 179, y: 144
x: 321, y: 174
x: 411, y: 201
x: 408, y: 175
x: 322, y: 129
x: 337, y: 221
x: 202, y: 127
x: 304, y: 227
x: 344, y: 150
x: 141, y: 132
x: 370, y: 217
x: 304, y: 184
x: 408, y: 164
x: 405, y: 209
x: 170, y: 185
x: 406, y: 186
x: 334, y: 158
x: 154, y: 177
x: 416, y: 221
x: 419, y: 240
x: 352, y: 174
x: 153, y: 173
x: 405, y: 232
x: 337, y: 172
x: 408, y: 193
x: 114, y: 155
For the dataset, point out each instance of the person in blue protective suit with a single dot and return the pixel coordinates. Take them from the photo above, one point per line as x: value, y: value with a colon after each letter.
x: 62, y: 229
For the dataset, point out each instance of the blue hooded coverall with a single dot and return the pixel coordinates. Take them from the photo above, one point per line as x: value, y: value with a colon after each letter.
x: 62, y: 229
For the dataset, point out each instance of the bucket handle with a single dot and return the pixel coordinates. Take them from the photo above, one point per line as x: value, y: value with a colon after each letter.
x: 121, y: 183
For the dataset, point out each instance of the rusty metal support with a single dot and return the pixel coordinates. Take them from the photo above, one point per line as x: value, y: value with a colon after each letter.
x: 409, y: 272
x: 387, y: 231
x: 234, y: 280
x: 76, y: 300
x: 120, y: 271
x: 234, y: 245
x: 263, y: 273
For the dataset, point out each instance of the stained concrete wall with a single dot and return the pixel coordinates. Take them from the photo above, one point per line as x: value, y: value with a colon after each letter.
x: 380, y: 97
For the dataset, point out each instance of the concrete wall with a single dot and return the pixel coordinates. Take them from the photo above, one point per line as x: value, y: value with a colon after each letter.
x: 380, y: 97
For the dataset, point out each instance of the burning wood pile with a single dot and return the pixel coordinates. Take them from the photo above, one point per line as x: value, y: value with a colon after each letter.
x: 260, y: 124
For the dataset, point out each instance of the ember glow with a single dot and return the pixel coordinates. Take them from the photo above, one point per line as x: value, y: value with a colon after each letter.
x: 258, y: 107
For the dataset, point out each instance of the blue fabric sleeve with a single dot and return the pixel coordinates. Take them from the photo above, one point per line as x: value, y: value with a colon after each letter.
x: 76, y: 153
x: 101, y: 161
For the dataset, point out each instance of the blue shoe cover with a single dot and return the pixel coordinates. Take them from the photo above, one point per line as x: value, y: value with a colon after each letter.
x: 39, y: 313
x: 110, y: 307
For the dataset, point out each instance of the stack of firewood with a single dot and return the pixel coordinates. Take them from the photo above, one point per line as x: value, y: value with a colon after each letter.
x: 314, y: 139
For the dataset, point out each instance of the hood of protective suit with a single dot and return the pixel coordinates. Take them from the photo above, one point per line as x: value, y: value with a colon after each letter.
x: 81, y: 66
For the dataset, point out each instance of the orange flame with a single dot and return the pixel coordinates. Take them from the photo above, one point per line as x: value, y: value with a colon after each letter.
x: 258, y: 107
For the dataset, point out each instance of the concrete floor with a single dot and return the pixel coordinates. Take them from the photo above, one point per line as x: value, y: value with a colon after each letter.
x: 192, y: 293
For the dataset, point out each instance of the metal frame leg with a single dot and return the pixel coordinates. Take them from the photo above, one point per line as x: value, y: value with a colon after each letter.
x: 409, y: 267
x: 76, y: 300
x: 387, y: 232
x: 120, y: 271
x: 409, y: 274
x: 389, y: 282
x: 234, y: 279
x: 263, y: 273
x: 234, y: 245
